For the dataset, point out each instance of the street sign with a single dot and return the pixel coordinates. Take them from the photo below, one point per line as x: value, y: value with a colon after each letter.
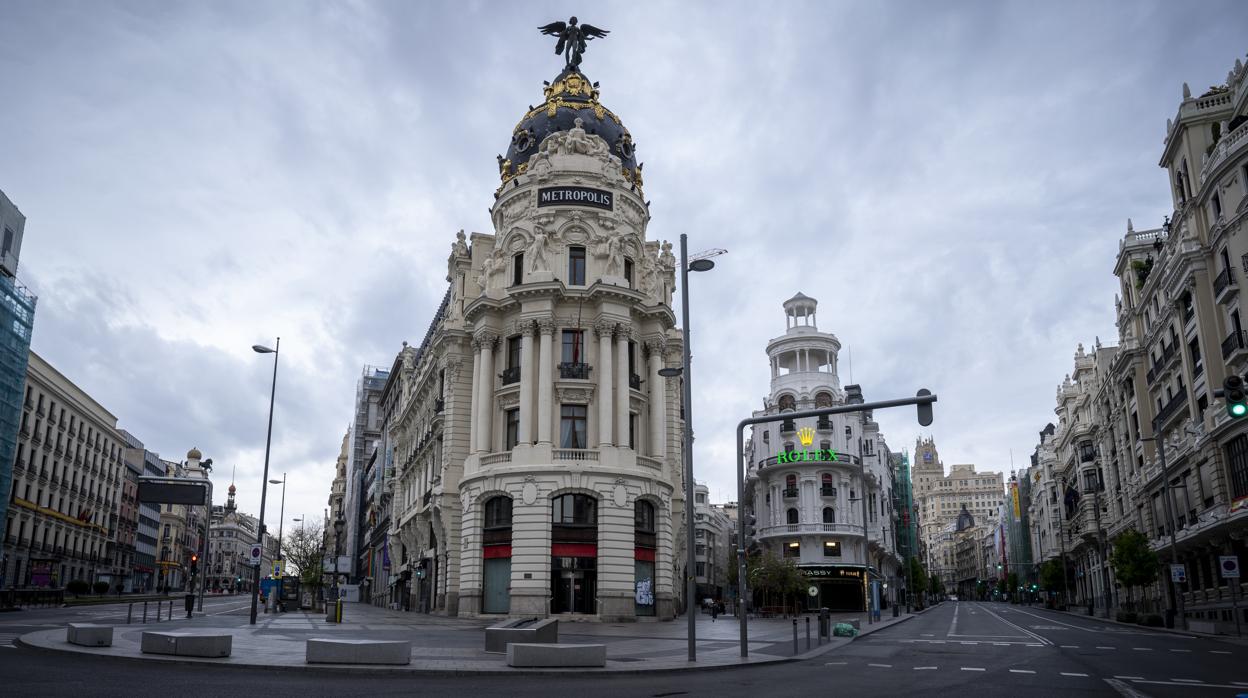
x: 277, y: 567
x: 1230, y: 566
x: 169, y: 490
x: 255, y: 555
x: 1178, y: 573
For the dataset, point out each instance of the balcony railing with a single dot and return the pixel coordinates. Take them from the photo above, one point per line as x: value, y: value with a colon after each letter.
x: 787, y: 427
x: 1233, y: 341
x: 634, y: 381
x: 827, y: 491
x: 824, y: 424
x: 789, y: 529
x: 439, y: 405
x: 1222, y: 281
x: 575, y: 454
x: 510, y: 375
x: 1173, y: 406
x: 569, y: 369
x: 790, y: 493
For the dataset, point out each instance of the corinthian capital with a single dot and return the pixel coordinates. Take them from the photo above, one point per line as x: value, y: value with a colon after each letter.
x: 545, y: 325
x: 604, y: 328
x: 484, y: 339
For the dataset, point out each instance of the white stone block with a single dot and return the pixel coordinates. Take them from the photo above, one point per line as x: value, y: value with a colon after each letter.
x: 89, y: 635
x: 532, y: 655
x: 355, y: 651
x: 187, y: 644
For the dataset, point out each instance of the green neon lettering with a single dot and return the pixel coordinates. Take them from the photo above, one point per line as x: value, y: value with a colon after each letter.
x: 783, y: 457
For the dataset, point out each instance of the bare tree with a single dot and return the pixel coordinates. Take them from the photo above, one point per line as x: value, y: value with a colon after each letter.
x: 304, y: 548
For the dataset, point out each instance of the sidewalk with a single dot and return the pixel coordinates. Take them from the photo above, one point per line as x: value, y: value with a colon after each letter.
x: 456, y: 646
x: 1243, y: 640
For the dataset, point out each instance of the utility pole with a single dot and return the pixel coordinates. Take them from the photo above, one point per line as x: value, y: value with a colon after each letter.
x: 1165, y: 494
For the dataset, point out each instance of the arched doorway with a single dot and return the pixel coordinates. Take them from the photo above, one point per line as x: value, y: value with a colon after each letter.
x: 574, y: 554
x: 496, y: 550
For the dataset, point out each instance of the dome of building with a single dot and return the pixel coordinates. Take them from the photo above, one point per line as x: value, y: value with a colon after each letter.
x: 569, y: 97
x: 194, y: 454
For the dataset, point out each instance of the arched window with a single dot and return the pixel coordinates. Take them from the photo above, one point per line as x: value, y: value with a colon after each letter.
x: 829, y: 515
x: 787, y: 402
x: 823, y: 399
x: 849, y: 432
x: 790, y: 485
x: 826, y: 488
x: 792, y: 516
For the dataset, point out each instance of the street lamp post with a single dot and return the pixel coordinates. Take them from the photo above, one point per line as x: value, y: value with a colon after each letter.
x: 1165, y: 494
x: 338, y: 524
x: 264, y: 486
x: 702, y: 264
x: 281, y: 518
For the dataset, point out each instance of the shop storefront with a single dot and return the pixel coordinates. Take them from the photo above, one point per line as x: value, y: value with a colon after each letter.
x: 835, y: 587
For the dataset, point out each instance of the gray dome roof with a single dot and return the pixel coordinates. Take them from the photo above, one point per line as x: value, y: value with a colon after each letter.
x: 569, y: 97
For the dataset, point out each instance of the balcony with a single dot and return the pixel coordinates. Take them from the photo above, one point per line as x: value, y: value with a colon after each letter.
x: 810, y: 528
x: 510, y: 375
x: 1223, y: 282
x: 1233, y: 343
x: 824, y: 424
x: 573, y: 370
x: 790, y: 493
x: 439, y: 405
x: 575, y: 454
x: 787, y: 427
x: 1172, y: 407
x: 634, y: 381
x: 827, y: 491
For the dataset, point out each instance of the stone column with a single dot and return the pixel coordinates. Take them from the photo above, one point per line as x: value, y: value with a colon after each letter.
x: 525, y: 435
x: 622, y: 396
x: 658, y: 406
x: 475, y: 400
x: 485, y: 397
x: 604, y: 330
x: 545, y: 380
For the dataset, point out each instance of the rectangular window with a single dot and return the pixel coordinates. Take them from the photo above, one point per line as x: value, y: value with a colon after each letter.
x: 628, y: 271
x: 513, y: 428
x: 572, y: 422
x: 513, y: 354
x: 8, y: 240
x: 632, y: 430
x: 1194, y: 348
x: 1237, y: 461
x: 793, y: 549
x: 576, y: 266
x: 517, y: 269
x: 573, y: 346
x: 701, y: 569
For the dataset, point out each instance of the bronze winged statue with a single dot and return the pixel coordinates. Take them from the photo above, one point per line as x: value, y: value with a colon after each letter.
x: 572, y: 38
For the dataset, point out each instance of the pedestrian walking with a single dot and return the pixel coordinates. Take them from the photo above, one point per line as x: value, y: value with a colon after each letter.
x: 714, y: 610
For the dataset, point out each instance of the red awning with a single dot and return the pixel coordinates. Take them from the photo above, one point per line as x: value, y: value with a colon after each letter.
x: 574, y: 550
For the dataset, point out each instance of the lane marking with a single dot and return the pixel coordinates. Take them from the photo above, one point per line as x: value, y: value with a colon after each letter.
x: 1071, y: 673
x: 1068, y: 647
x: 973, y: 668
x: 1202, y: 685
x: 1052, y: 620
x: 1102, y: 647
x: 890, y: 666
x: 928, y: 635
x: 1139, y: 649
x: 953, y: 626
x: 1139, y: 678
x: 1043, y: 640
x: 1124, y: 689
x: 1187, y: 680
x: 1173, y: 650
x: 1023, y: 671
x: 844, y: 663
x: 924, y: 668
x: 1211, y: 651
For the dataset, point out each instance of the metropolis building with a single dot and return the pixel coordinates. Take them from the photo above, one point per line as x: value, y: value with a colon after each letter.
x: 822, y: 489
x: 531, y: 450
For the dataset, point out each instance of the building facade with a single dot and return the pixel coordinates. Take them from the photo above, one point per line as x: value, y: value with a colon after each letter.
x: 141, y: 462
x: 822, y: 490
x: 64, y: 504
x: 712, y: 538
x: 535, y: 448
x: 17, y: 316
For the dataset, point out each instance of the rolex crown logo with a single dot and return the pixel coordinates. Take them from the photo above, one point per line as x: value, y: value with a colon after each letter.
x: 806, y: 435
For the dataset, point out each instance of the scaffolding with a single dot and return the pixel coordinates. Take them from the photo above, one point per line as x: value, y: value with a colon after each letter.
x: 17, y: 318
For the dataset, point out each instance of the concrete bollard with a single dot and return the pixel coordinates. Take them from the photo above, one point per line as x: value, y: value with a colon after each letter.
x: 808, y: 632
x: 144, y: 613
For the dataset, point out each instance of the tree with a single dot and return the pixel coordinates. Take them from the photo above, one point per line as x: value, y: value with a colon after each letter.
x: 1134, y: 563
x: 938, y: 588
x: 918, y: 576
x: 304, y: 549
x: 1051, y: 575
x: 1011, y: 583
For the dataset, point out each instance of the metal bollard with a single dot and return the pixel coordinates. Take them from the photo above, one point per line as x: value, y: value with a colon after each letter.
x: 145, y: 613
x: 794, y: 636
x: 129, y: 613
x: 807, y: 632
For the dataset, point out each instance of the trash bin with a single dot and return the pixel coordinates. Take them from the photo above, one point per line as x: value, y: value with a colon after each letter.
x: 190, y: 604
x: 825, y: 623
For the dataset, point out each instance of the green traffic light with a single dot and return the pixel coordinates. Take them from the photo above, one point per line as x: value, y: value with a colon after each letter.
x: 1239, y: 409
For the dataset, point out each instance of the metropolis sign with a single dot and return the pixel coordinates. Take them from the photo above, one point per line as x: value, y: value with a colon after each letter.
x: 575, y: 196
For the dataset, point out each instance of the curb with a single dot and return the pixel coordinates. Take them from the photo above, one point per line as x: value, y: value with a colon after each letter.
x: 1230, y: 639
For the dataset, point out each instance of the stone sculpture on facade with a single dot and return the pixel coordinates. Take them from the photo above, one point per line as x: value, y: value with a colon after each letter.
x: 538, y: 249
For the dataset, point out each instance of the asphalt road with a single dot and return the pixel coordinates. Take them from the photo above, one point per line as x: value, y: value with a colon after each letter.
x: 957, y: 649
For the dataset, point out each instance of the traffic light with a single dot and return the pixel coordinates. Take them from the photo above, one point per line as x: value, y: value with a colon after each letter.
x: 194, y: 562
x: 749, y: 527
x: 1236, y: 399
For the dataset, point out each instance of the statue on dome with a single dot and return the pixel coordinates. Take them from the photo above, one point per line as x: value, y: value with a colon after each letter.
x: 572, y: 39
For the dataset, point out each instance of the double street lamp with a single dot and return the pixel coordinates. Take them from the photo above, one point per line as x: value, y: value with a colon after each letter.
x: 264, y: 487
x: 701, y: 264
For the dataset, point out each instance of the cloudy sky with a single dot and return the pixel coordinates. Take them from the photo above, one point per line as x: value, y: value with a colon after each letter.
x: 950, y: 183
